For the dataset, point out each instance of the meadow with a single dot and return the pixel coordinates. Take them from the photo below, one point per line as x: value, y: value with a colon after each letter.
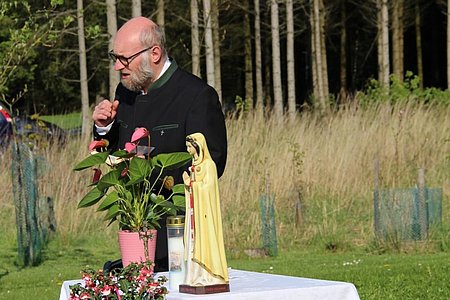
x: 320, y: 169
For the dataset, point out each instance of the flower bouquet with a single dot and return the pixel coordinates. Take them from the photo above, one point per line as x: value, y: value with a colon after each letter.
x: 136, y: 281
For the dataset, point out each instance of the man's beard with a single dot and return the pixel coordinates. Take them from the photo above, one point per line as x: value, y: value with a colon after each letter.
x: 139, y: 79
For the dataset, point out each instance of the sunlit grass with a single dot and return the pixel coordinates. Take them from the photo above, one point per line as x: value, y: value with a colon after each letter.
x: 323, y: 165
x: 66, y: 121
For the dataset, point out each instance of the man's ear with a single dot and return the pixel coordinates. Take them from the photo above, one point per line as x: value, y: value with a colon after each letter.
x: 156, y: 54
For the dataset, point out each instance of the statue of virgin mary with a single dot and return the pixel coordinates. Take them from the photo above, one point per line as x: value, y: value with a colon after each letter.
x: 204, y: 248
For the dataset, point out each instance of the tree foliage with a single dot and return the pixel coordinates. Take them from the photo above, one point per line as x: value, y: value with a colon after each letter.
x: 39, y: 47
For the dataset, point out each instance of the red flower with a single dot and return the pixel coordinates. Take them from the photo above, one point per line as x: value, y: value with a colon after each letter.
x: 130, y: 147
x: 146, y: 272
x: 124, y: 172
x: 97, y: 175
x: 106, y: 290
x: 98, y: 144
x: 85, y: 296
x: 139, y: 133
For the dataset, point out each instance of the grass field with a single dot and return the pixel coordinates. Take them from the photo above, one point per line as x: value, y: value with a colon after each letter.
x: 320, y: 169
x: 385, y: 276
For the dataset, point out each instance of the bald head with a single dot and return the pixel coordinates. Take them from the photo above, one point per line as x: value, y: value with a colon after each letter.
x: 140, y: 32
x: 136, y: 24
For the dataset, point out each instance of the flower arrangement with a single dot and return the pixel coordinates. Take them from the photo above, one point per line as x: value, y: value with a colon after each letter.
x: 131, y: 189
x: 136, y: 281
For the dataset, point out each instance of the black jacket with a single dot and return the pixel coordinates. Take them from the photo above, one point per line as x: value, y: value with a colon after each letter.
x: 176, y: 105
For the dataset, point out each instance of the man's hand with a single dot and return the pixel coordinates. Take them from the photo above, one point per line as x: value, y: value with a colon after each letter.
x: 105, y: 112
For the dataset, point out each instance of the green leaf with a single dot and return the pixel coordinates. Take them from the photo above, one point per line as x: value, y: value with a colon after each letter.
x: 113, y: 212
x: 179, y: 201
x: 92, y: 160
x: 91, y: 198
x: 159, y: 199
x: 109, y: 179
x: 171, y: 160
x: 178, y: 189
x: 139, y: 169
x: 123, y: 154
x: 167, y: 204
x: 109, y: 200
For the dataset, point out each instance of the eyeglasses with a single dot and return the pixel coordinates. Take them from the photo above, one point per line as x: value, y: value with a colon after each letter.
x: 126, y: 60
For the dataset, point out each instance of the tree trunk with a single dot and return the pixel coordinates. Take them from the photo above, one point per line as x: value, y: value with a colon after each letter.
x: 379, y: 42
x: 195, y: 40
x: 384, y: 48
x: 317, y: 50
x: 248, y: 55
x: 111, y: 17
x: 323, y: 50
x: 276, y: 62
x: 343, y: 55
x: 86, y: 116
x: 448, y: 44
x: 160, y: 16
x: 268, y: 88
x: 291, y: 101
x: 258, y: 60
x: 209, y: 47
x: 397, y: 38
x: 136, y: 8
x: 216, y: 46
x: 315, y: 79
x: 419, y: 44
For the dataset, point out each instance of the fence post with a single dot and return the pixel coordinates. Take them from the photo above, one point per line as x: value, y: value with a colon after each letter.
x: 376, y: 195
x: 422, y: 205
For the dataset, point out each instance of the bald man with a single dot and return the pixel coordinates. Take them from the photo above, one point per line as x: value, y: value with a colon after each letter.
x: 156, y: 94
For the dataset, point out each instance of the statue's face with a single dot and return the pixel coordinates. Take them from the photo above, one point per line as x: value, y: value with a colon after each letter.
x: 190, y: 148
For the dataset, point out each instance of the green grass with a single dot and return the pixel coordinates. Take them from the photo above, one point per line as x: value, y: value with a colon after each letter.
x: 386, y: 276
x: 62, y: 260
x: 67, y: 121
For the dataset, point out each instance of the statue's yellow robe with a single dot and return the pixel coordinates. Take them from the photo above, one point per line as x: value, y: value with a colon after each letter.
x: 208, y: 247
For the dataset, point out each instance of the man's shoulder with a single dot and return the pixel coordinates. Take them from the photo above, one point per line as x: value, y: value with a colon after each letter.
x: 184, y: 77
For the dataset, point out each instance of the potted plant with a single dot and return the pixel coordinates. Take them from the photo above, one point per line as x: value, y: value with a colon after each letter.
x: 130, y: 189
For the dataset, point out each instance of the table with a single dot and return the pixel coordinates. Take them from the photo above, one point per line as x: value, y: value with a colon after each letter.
x: 245, y: 285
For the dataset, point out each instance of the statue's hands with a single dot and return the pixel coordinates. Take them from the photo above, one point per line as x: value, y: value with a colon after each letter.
x: 186, y: 178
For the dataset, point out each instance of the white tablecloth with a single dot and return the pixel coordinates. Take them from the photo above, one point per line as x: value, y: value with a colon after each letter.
x: 259, y: 286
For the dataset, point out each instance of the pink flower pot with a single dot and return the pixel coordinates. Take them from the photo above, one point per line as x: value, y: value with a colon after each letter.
x: 132, y: 247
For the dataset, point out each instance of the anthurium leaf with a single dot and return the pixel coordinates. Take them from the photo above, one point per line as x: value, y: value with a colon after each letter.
x: 91, y: 198
x: 109, y: 179
x: 167, y: 204
x: 178, y: 189
x: 139, y: 168
x: 123, y: 154
x: 113, y: 211
x: 179, y: 201
x: 171, y: 160
x: 92, y: 160
x: 109, y: 200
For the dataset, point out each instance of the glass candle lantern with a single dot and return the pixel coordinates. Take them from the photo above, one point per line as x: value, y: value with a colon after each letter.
x: 175, y: 245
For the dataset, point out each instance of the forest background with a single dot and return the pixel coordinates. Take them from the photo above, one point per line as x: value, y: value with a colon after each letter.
x: 335, y: 87
x: 282, y: 54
